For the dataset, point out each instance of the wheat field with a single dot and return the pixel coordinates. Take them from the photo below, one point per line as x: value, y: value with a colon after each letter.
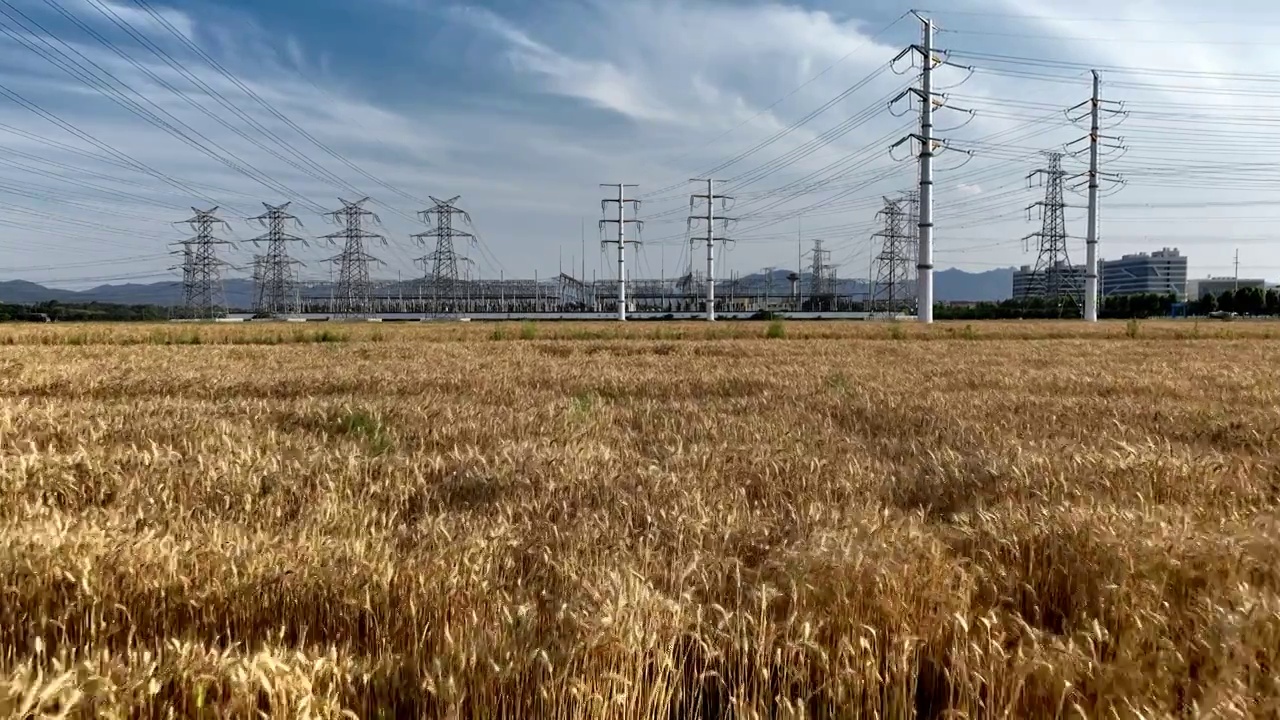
x: 745, y: 520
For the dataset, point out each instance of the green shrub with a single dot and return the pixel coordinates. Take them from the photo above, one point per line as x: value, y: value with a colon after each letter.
x: 776, y: 331
x: 367, y: 426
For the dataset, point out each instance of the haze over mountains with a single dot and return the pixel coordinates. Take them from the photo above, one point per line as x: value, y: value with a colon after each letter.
x: 949, y: 286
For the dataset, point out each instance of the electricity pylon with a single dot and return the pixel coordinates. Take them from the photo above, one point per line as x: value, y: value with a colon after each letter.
x: 442, y: 263
x: 259, y: 262
x: 1053, y: 278
x: 354, y: 293
x: 710, y: 238
x: 276, y: 278
x: 929, y: 147
x: 822, y: 276
x: 201, y: 267
x: 622, y: 222
x: 892, y: 286
x: 1097, y: 106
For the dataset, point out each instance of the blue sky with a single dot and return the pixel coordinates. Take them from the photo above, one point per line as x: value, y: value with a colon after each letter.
x: 524, y: 108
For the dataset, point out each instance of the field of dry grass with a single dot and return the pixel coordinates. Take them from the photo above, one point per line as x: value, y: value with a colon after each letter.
x: 518, y: 521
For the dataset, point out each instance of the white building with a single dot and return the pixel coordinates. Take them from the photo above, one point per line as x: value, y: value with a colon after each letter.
x: 1215, y: 286
x: 1161, y: 272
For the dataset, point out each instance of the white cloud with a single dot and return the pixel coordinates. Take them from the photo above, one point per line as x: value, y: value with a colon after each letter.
x: 670, y: 69
x: 602, y: 84
x: 690, y: 99
x: 137, y: 17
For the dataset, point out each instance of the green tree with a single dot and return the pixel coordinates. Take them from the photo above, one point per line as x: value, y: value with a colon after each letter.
x: 1272, y: 302
x: 1250, y: 301
x: 1227, y: 301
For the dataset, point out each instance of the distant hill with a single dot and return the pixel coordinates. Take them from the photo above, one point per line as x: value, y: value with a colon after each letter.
x: 21, y: 291
x: 949, y: 285
x: 239, y: 293
x: 952, y: 285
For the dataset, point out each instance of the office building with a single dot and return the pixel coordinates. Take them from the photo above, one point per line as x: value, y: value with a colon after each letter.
x: 1161, y: 272
x: 1215, y: 286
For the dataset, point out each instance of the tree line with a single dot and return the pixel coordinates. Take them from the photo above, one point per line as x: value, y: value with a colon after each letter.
x: 1243, y: 301
x: 55, y: 311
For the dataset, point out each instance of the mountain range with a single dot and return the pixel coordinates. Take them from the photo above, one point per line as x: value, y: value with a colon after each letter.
x: 949, y: 286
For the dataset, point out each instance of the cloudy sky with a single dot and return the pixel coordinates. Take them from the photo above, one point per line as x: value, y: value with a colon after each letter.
x: 117, y: 116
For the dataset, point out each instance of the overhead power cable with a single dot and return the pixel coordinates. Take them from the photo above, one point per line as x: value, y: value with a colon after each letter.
x: 269, y: 107
x: 115, y: 89
x: 709, y: 173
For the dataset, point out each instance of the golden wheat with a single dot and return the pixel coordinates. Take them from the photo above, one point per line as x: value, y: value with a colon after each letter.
x: 656, y: 520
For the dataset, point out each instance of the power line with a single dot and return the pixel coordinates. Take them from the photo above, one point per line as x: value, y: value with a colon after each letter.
x: 1144, y: 20
x: 122, y: 157
x: 275, y: 112
x: 114, y: 89
x: 107, y: 12
x: 869, y: 41
x: 1048, y: 62
x: 1130, y: 41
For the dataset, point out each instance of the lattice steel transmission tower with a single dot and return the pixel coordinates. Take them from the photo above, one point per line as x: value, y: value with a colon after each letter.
x: 1053, y: 279
x: 259, y: 262
x: 822, y: 277
x: 187, y: 267
x: 274, y: 272
x: 354, y: 292
x: 911, y: 204
x: 893, y: 287
x: 201, y: 268
x: 442, y: 263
